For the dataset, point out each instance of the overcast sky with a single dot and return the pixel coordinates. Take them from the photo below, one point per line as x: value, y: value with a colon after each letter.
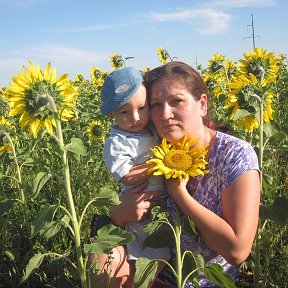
x: 77, y: 35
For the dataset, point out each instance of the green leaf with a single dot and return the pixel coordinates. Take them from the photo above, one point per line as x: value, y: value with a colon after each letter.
x: 28, y: 162
x: 159, y: 213
x: 145, y: 272
x: 193, y: 264
x: 189, y: 226
x: 216, y: 274
x: 42, y: 218
x: 270, y: 130
x: 39, y: 181
x: 240, y: 113
x: 5, y: 206
x: 267, y: 182
x: 52, y: 228
x: 109, y: 237
x: 277, y: 212
x: 76, y: 146
x: 157, y: 218
x: 106, y: 197
x: 160, y: 238
x: 34, y: 263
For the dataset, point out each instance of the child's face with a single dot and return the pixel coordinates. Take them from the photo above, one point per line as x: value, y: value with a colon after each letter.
x: 133, y: 116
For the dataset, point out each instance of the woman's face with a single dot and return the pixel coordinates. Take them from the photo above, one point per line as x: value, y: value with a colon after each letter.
x: 175, y: 112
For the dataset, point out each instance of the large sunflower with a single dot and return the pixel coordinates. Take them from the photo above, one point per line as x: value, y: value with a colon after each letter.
x: 263, y: 65
x: 244, y: 100
x: 28, y: 97
x: 180, y: 160
x: 95, y: 130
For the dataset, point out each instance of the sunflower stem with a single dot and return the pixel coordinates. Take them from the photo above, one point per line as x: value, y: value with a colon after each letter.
x: 258, y: 235
x: 178, y: 248
x: 67, y: 182
x: 21, y: 191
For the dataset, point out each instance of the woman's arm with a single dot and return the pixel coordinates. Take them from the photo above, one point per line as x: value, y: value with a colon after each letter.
x: 137, y: 174
x: 231, y: 236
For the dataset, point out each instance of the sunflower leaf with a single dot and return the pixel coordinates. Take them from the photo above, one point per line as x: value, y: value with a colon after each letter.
x: 38, y: 182
x: 52, y: 228
x: 157, y: 218
x: 240, y: 113
x: 28, y: 162
x: 108, y: 237
x: 106, y: 197
x: 160, y: 238
x: 33, y: 264
x: 190, y: 227
x: 216, y: 274
x: 42, y: 218
x: 193, y: 264
x: 145, y: 272
x: 270, y: 131
x: 76, y: 146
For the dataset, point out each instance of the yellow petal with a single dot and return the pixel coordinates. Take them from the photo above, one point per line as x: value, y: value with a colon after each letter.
x: 47, y: 72
x: 48, y: 126
x: 35, y: 127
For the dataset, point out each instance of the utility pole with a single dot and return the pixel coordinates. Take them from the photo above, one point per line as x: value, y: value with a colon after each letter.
x: 253, y: 33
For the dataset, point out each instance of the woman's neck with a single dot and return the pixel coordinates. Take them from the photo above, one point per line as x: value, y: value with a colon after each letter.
x: 208, y: 138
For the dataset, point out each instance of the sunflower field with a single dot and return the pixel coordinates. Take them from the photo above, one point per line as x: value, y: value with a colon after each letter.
x: 53, y: 177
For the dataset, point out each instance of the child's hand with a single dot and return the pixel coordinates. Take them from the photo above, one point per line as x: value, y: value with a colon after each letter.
x: 136, y: 175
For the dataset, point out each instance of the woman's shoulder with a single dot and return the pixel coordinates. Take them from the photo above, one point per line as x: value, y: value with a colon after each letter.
x: 233, y: 156
x: 227, y: 140
x: 230, y: 147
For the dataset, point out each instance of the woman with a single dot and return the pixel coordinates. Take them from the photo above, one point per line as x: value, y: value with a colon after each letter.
x: 225, y: 205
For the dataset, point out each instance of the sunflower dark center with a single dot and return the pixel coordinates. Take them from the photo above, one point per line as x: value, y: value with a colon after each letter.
x: 178, y: 159
x: 97, y: 73
x: 97, y: 130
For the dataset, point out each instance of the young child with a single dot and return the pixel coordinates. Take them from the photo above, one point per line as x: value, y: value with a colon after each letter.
x: 128, y: 146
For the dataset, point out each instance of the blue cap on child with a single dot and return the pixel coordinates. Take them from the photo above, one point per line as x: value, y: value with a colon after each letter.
x: 119, y: 86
